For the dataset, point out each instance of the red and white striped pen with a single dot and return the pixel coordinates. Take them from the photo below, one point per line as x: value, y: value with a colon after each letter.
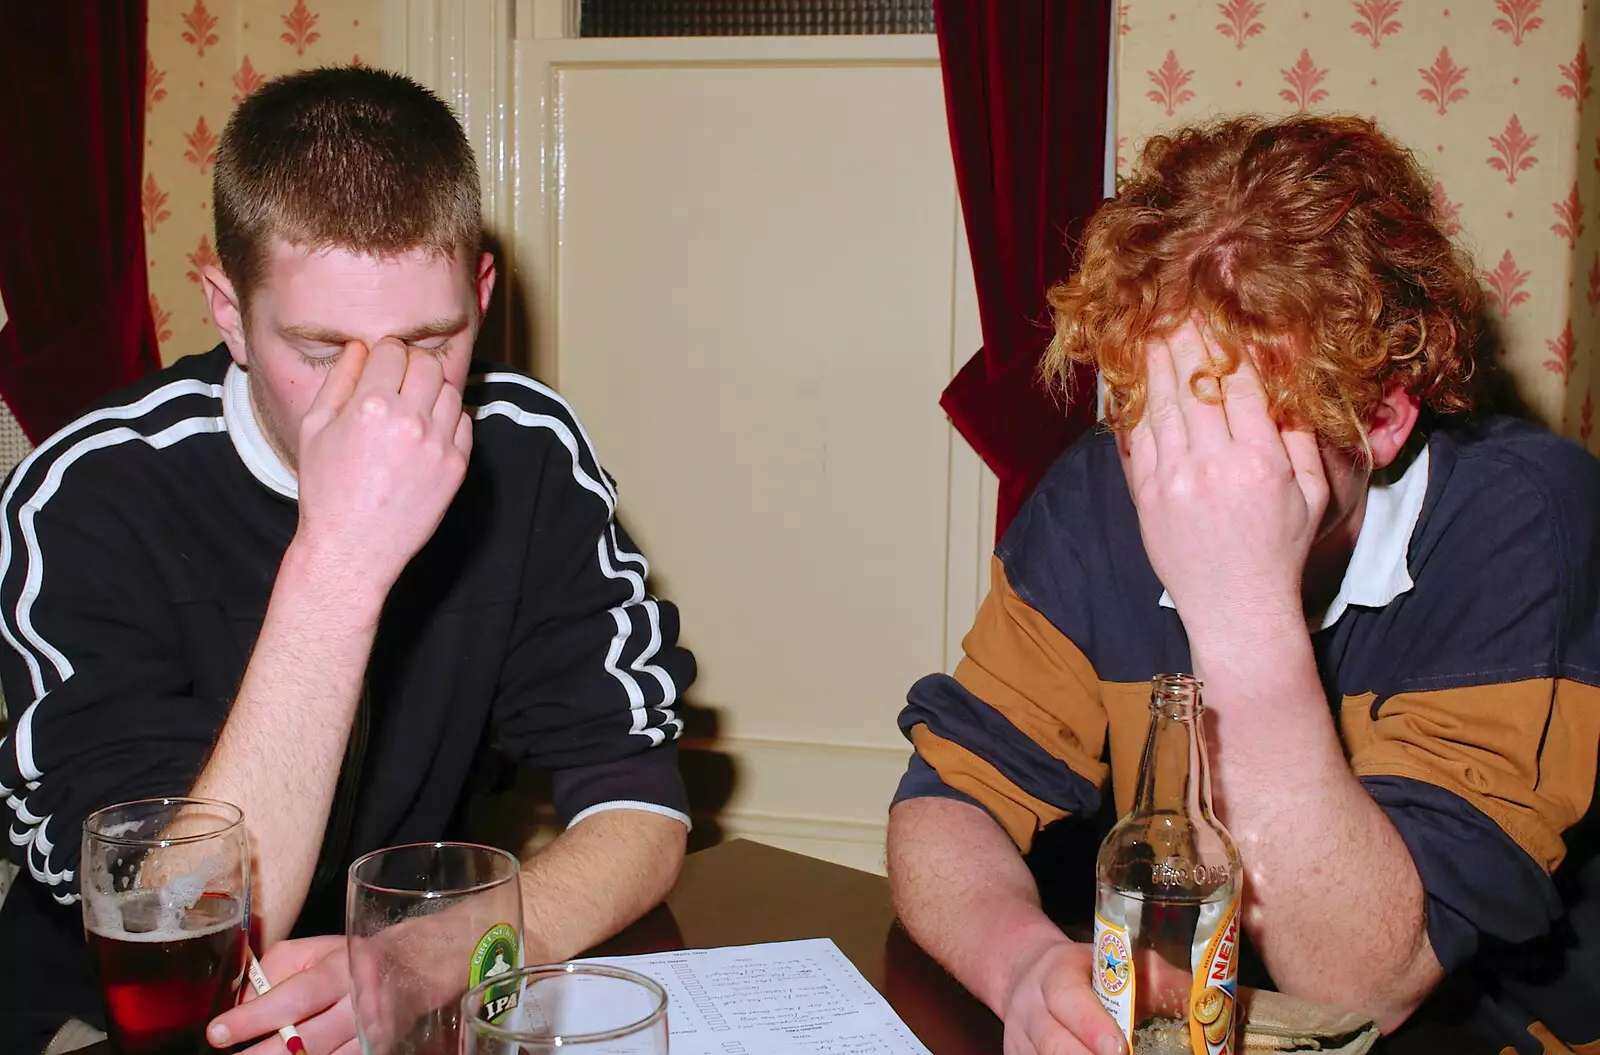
x: 258, y: 981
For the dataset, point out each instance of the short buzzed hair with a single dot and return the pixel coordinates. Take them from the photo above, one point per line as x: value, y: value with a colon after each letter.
x: 358, y: 158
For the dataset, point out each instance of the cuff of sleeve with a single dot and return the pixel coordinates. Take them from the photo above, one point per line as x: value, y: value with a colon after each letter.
x: 1477, y: 880
x: 648, y: 780
x: 922, y: 781
x: 633, y: 804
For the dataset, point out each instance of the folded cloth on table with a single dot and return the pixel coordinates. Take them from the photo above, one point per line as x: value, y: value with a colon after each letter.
x: 1274, y: 1022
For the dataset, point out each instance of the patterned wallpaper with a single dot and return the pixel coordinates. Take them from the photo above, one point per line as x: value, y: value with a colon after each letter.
x: 1495, y: 97
x: 202, y: 59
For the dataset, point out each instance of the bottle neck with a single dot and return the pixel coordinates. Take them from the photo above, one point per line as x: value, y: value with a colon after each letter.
x: 1173, y: 775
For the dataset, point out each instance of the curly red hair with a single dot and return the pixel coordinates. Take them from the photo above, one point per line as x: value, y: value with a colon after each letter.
x: 1313, y: 242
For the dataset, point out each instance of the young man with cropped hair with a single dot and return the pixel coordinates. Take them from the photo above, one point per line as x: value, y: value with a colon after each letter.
x: 316, y: 571
x: 1390, y: 593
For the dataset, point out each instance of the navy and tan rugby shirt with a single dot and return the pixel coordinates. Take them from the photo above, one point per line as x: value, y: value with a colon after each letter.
x: 138, y: 550
x: 1465, y: 680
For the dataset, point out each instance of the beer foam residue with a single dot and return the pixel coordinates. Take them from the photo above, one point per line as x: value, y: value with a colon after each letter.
x: 153, y: 937
x: 102, y: 914
x: 117, y: 831
x: 179, y: 894
x: 136, y: 916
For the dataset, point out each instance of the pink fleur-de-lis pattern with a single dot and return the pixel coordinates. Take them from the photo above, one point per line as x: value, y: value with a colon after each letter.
x: 1569, y: 219
x: 1239, y: 20
x: 1518, y: 18
x: 1304, y: 79
x: 245, y: 81
x: 203, y: 257
x: 1377, y: 19
x: 153, y: 92
x: 202, y: 143
x: 1576, y: 76
x: 1169, y: 81
x: 1443, y: 82
x: 203, y: 58
x: 161, y: 317
x: 1561, y: 349
x: 153, y: 204
x: 1504, y: 284
x: 198, y: 25
x: 1513, y: 150
x: 300, y: 28
x: 1496, y: 98
x: 1446, y: 212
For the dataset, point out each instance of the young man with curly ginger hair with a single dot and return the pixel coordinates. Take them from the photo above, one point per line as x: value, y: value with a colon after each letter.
x: 1389, y: 591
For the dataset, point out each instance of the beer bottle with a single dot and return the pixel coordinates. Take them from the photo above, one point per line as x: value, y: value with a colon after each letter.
x: 1167, y: 911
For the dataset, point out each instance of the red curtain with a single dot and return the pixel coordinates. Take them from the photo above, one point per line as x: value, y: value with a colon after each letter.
x: 1025, y: 92
x: 72, y: 265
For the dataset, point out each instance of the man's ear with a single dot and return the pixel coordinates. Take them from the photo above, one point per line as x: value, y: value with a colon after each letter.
x: 485, y: 282
x: 1391, y: 424
x: 227, y: 311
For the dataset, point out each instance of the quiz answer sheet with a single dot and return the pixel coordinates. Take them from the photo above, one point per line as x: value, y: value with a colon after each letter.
x: 779, y: 998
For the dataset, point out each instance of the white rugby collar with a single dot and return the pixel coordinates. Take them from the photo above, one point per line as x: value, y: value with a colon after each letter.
x: 1377, y: 571
x: 248, y: 439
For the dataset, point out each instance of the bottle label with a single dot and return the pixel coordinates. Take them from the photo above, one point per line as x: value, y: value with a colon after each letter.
x: 1213, y: 996
x: 1114, y: 982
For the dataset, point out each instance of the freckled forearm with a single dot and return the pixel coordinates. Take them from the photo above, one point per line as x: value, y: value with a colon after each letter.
x: 1334, y: 902
x: 964, y: 893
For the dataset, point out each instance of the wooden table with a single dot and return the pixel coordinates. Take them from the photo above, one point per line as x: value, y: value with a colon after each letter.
x: 742, y: 892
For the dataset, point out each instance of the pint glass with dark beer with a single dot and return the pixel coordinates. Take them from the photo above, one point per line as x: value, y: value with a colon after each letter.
x: 165, y: 885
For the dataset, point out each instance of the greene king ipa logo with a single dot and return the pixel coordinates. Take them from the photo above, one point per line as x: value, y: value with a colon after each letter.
x: 496, y: 954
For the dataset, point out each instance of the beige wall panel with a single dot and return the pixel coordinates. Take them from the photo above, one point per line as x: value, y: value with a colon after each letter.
x: 754, y: 280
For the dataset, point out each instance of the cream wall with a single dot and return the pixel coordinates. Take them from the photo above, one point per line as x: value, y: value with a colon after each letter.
x: 1495, y: 98
x: 202, y: 58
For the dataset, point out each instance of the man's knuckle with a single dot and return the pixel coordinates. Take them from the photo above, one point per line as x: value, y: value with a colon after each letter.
x: 1180, y: 483
x: 1257, y: 467
x: 408, y: 425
